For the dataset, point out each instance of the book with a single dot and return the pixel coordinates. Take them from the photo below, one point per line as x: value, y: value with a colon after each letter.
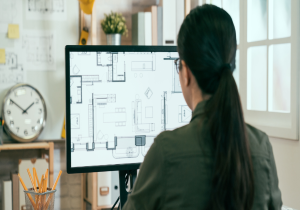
x: 138, y: 28
x: 180, y: 6
x: 159, y: 26
x: 148, y: 28
x: 7, y: 195
x: 169, y: 22
x: 15, y: 191
x: 154, y: 18
x: 173, y: 16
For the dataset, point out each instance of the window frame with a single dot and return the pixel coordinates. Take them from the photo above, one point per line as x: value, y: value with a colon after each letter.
x: 271, y: 122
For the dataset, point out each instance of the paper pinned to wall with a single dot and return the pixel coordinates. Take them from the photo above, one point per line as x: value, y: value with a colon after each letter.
x: 10, y: 12
x: 39, y: 51
x: 13, y: 31
x: 46, y: 10
x: 2, y: 55
x: 12, y: 71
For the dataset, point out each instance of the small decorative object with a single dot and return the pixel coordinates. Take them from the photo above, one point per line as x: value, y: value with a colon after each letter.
x: 114, y: 26
x: 24, y: 113
x: 84, y: 36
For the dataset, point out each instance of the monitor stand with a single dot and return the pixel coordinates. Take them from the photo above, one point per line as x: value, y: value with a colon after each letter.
x: 123, y: 176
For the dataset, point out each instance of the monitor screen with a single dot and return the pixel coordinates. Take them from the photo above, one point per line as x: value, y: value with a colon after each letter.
x: 120, y: 99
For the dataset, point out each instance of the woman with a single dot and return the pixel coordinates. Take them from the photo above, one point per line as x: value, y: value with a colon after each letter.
x: 216, y: 161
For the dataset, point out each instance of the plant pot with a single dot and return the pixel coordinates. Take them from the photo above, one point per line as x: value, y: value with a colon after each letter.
x: 113, y: 39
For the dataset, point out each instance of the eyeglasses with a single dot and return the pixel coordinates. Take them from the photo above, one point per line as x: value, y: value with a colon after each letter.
x: 177, y: 65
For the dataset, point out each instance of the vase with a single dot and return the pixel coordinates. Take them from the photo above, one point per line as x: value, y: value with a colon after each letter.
x: 113, y: 39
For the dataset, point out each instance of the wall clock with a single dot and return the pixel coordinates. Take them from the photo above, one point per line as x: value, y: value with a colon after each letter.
x: 24, y: 113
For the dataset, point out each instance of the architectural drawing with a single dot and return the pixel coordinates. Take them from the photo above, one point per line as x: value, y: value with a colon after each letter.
x: 116, y: 114
x: 46, y: 6
x: 184, y: 114
x: 76, y: 89
x: 145, y: 62
x: 84, y: 53
x: 12, y: 71
x: 137, y: 114
x: 148, y: 93
x: 75, y: 121
x: 176, y: 88
x: 39, y: 51
x: 114, y: 63
x: 46, y: 10
x: 10, y: 13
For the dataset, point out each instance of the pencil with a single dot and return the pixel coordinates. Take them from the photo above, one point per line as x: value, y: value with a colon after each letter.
x: 40, y: 191
x: 33, y: 185
x: 53, y: 188
x: 34, y: 181
x: 36, y: 177
x: 25, y: 188
x: 46, y: 174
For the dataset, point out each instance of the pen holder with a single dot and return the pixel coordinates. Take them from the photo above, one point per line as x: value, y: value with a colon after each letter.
x: 39, y: 201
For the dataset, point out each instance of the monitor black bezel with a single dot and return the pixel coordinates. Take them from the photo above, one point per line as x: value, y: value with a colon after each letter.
x: 95, y: 48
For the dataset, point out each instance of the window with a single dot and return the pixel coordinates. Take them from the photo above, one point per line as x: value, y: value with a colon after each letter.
x: 267, y: 66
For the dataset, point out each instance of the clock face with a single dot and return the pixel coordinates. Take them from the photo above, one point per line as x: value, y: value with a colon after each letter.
x: 24, y: 113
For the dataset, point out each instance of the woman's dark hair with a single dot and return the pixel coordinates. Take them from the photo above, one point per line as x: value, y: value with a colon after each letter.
x: 207, y: 44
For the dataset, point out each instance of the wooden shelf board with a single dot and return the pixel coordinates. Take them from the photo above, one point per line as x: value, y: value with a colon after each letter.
x: 22, y: 146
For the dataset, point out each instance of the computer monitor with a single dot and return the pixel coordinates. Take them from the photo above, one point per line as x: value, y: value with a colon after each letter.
x: 118, y: 99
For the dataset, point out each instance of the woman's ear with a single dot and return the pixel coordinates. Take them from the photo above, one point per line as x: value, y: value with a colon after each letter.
x: 185, y: 73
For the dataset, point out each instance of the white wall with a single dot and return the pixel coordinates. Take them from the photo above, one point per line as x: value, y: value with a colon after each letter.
x: 287, y: 157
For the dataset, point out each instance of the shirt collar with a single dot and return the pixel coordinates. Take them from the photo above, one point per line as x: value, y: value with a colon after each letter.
x: 198, y: 110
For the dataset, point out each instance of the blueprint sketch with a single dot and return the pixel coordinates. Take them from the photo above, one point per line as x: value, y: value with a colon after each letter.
x: 120, y: 101
x: 46, y: 9
x: 39, y: 50
x: 10, y: 13
x: 12, y: 72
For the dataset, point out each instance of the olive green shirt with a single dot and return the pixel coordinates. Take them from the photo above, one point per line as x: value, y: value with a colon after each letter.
x: 177, y: 170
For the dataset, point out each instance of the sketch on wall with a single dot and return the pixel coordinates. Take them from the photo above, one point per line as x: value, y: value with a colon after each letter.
x: 10, y: 13
x: 46, y: 9
x: 12, y: 71
x: 39, y: 50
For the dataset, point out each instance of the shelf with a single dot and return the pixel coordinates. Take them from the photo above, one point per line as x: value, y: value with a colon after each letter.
x: 22, y: 146
x: 35, y: 145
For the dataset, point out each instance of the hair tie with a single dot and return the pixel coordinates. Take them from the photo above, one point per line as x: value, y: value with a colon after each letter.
x: 226, y: 66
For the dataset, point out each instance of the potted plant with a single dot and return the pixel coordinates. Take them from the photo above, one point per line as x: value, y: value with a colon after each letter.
x: 114, y: 26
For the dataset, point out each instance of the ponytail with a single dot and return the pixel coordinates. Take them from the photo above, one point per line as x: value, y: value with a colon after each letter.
x: 206, y: 41
x: 233, y: 183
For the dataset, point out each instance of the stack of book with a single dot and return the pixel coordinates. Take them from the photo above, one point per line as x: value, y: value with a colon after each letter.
x: 10, y: 192
x: 158, y: 25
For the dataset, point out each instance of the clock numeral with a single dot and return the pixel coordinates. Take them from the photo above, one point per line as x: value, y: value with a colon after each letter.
x: 11, y: 122
x: 25, y: 132
x: 40, y: 111
x: 8, y: 112
x: 17, y: 129
x: 37, y: 101
x: 33, y: 129
x: 39, y: 121
x: 31, y: 93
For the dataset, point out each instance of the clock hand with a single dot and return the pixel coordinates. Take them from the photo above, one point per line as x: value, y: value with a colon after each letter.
x: 17, y: 105
x: 25, y: 111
